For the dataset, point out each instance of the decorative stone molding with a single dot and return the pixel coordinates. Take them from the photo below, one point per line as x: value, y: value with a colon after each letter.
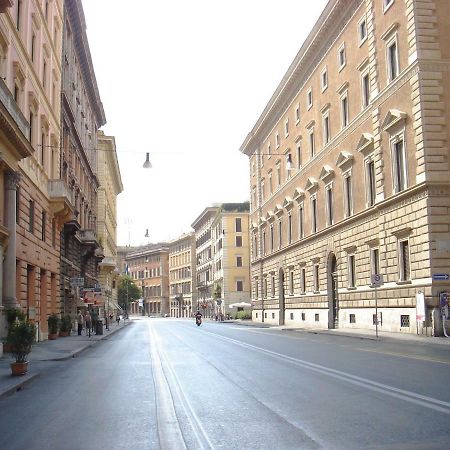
x: 393, y: 117
x: 326, y: 174
x: 344, y: 160
x: 311, y: 184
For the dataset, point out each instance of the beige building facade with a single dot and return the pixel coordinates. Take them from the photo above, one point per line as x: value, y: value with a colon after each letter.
x: 231, y: 258
x: 182, y: 285
x: 110, y: 187
x: 31, y: 210
x: 148, y: 266
x: 350, y: 172
x: 204, y: 260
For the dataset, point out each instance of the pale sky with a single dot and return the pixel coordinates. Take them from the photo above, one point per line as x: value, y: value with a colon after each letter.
x: 186, y: 80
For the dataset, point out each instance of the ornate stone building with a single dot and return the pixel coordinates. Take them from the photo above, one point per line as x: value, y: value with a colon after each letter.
x: 350, y: 173
x: 148, y: 266
x: 82, y: 116
x: 204, y: 260
x: 31, y: 207
x: 110, y: 186
x: 182, y: 276
x: 231, y: 258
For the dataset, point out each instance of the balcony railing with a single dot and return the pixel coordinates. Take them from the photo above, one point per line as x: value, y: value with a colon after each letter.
x: 14, y: 111
x: 57, y: 189
x: 88, y: 236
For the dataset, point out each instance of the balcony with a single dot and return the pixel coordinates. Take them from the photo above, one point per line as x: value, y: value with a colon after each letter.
x: 88, y: 237
x: 8, y: 102
x: 61, y: 200
x: 108, y: 264
x: 5, y: 4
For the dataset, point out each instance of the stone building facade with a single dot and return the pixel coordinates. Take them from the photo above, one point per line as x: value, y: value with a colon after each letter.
x: 81, y: 116
x: 231, y: 258
x: 110, y: 186
x: 182, y: 287
x: 204, y: 260
x: 31, y: 210
x: 350, y: 172
x: 148, y: 266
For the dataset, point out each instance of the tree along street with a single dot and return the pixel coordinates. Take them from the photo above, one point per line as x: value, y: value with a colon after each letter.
x: 165, y: 383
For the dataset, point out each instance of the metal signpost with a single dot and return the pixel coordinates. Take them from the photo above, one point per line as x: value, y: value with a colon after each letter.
x: 377, y: 281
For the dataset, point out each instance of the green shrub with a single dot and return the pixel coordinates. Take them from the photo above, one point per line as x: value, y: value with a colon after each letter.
x: 22, y: 336
x: 66, y: 324
x: 244, y: 315
x: 53, y: 321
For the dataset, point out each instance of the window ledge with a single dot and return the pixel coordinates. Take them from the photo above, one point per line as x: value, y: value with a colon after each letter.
x: 351, y: 288
x: 402, y: 282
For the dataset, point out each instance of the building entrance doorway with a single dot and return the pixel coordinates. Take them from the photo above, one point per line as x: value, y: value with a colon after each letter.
x: 333, y: 301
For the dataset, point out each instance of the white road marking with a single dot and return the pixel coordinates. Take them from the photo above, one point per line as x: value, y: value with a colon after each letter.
x: 412, y: 397
x: 169, y: 432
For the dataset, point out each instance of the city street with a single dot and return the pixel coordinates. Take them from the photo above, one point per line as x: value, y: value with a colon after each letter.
x: 166, y: 383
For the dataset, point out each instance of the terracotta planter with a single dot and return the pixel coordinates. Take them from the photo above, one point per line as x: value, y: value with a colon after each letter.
x: 64, y: 333
x: 7, y: 348
x: 19, y: 368
x: 52, y: 336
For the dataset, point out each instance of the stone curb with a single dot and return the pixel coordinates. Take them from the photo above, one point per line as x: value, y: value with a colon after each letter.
x: 23, y: 381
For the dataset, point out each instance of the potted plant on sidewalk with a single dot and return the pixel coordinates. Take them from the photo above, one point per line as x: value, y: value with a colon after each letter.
x: 22, y: 337
x: 66, y: 326
x: 52, y: 322
x: 12, y: 316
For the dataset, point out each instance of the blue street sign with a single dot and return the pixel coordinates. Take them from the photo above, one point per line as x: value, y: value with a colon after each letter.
x: 440, y: 276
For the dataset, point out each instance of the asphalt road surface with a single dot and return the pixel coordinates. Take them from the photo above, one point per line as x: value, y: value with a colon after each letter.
x: 168, y: 384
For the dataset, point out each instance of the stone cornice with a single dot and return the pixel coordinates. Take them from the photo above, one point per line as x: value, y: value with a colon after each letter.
x: 76, y: 17
x: 331, y: 22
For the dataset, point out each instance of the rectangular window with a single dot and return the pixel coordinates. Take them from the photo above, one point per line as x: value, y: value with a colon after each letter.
x: 280, y: 233
x: 31, y: 216
x: 309, y: 99
x: 269, y: 150
x: 370, y: 182
x: 33, y: 45
x: 239, y: 285
x: 344, y: 111
x: 44, y: 74
x: 387, y: 4
x: 271, y: 238
x: 238, y: 241
x: 362, y: 30
x: 351, y: 271
x: 404, y: 321
x: 399, y: 164
x: 264, y: 242
x: 289, y: 228
x: 301, y: 222
x: 277, y: 140
x: 292, y: 316
x: 273, y: 286
x: 316, y: 278
x: 352, y: 318
x: 238, y: 261
x: 278, y: 174
x: 265, y: 287
x: 303, y: 281
x: 299, y: 155
x: 392, y: 57
x: 303, y: 316
x: 43, y: 225
x: 316, y: 317
x: 341, y: 57
x: 270, y: 184
x: 365, y: 86
x: 324, y: 79
x: 329, y: 204
x: 286, y: 128
x: 263, y: 190
x: 404, y: 266
x: 31, y: 120
x: 256, y: 288
x: 238, y: 224
x: 53, y: 233
x: 18, y: 11
x: 375, y: 261
x: 326, y: 129
x: 291, y: 282
x: 297, y: 114
x: 312, y: 144
x: 348, y: 199
x: 313, y: 214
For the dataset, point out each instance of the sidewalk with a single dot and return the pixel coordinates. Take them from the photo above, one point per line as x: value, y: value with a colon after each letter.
x: 349, y: 332
x: 45, y: 352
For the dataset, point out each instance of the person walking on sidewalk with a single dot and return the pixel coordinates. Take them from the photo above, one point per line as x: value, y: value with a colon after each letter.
x: 88, y: 320
x: 80, y: 321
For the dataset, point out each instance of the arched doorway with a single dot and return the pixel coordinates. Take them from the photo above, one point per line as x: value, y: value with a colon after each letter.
x: 333, y: 301
x: 281, y: 297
